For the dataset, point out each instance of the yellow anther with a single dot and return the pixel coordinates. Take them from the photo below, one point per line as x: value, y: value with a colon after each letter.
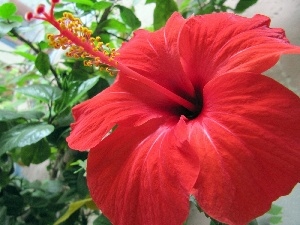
x: 75, y: 27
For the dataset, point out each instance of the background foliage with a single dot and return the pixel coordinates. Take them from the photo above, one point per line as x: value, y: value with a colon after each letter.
x: 35, y: 108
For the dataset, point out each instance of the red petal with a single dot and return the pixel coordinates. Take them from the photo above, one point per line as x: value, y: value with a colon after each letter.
x: 155, y: 56
x: 130, y: 102
x: 143, y: 176
x: 220, y: 43
x: 247, y: 139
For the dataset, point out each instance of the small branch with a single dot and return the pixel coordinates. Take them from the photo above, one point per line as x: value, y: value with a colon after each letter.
x: 37, y: 51
x: 112, y: 34
x: 99, y: 30
x: 57, y: 164
x: 104, y: 17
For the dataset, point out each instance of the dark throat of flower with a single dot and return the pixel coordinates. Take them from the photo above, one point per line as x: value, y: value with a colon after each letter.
x: 80, y: 44
x: 198, y: 105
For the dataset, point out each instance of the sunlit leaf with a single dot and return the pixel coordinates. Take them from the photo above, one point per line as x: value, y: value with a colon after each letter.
x: 26, y: 55
x: 10, y: 115
x: 2, y: 89
x: 24, y: 78
x: 42, y: 63
x: 129, y: 17
x: 16, y: 18
x: 42, y: 92
x: 102, y: 5
x: 162, y: 12
x: 113, y: 24
x: 73, y: 207
x: 184, y: 4
x: 80, y: 90
x: 24, y: 134
x: 7, y: 10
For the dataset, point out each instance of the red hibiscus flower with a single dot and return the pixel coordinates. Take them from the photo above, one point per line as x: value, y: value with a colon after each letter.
x: 192, y: 115
x: 229, y: 136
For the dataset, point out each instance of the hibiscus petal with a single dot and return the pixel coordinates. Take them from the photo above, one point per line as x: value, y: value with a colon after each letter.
x: 125, y: 100
x: 247, y: 138
x: 224, y: 43
x: 143, y: 175
x: 155, y: 55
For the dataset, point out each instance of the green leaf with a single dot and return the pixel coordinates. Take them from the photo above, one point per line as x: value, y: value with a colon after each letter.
x: 23, y: 79
x: 101, y: 220
x: 11, y: 115
x: 253, y: 222
x: 6, y: 27
x: 184, y: 4
x: 102, y: 5
x: 43, y: 45
x: 12, y: 200
x: 43, y: 92
x: 73, y: 207
x: 7, y: 10
x: 2, y: 89
x: 113, y: 24
x: 275, y: 219
x: 6, y: 163
x: 129, y: 17
x: 275, y: 210
x: 77, y: 91
x: 4, y: 218
x: 26, y: 55
x: 243, y: 5
x: 82, y: 188
x: 16, y: 18
x: 163, y: 11
x: 24, y: 134
x: 83, y: 2
x: 35, y: 153
x: 98, y: 87
x: 52, y: 186
x: 42, y: 63
x: 84, y: 88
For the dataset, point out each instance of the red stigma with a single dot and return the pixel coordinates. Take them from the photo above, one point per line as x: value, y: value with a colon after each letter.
x: 28, y: 16
x: 55, y: 1
x: 40, y: 9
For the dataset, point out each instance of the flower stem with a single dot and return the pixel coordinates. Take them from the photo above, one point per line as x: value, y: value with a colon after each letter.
x: 89, y: 48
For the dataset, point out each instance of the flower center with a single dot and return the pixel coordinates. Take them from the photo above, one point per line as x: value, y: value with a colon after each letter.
x: 192, y: 114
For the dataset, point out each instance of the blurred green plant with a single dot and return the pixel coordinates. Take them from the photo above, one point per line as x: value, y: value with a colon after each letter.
x: 37, y: 95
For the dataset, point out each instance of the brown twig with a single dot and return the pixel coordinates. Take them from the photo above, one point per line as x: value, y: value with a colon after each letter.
x: 37, y: 51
